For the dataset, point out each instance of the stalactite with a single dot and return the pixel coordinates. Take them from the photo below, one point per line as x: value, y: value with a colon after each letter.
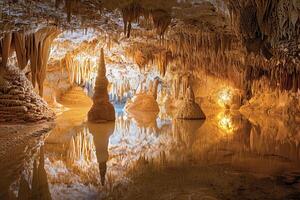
x: 176, y: 86
x: 43, y: 57
x: 5, y: 45
x: 20, y: 47
x: 185, y: 83
x: 274, y: 19
x: 57, y: 3
x: 154, y: 88
x: 80, y: 148
x: 161, y: 21
x: 69, y: 9
x: 131, y: 13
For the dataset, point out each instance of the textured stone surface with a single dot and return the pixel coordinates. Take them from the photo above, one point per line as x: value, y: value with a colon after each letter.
x: 142, y: 102
x: 18, y: 102
x: 189, y: 109
x: 102, y: 109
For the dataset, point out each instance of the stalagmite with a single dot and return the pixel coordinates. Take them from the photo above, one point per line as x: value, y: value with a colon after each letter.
x: 240, y: 57
x: 34, y: 47
x: 102, y: 109
x: 189, y: 109
x: 18, y: 102
x: 144, y: 101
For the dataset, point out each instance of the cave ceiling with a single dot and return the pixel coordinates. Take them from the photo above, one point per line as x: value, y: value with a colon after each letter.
x: 16, y: 15
x: 223, y: 37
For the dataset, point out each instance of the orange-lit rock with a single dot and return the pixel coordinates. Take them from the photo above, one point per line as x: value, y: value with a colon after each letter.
x: 189, y: 109
x: 18, y: 102
x: 102, y: 109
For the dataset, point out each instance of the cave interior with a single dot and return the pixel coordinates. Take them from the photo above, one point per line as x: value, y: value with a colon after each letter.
x: 150, y: 99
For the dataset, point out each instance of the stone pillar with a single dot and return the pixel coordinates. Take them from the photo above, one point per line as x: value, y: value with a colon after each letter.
x: 102, y: 110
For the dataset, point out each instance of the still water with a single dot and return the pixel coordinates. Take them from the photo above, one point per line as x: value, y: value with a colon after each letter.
x: 145, y: 156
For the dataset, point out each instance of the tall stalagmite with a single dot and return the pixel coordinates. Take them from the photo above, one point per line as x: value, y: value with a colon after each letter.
x: 102, y: 109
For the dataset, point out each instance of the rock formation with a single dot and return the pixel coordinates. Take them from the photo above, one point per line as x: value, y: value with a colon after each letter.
x: 101, y: 134
x: 18, y: 102
x: 143, y: 101
x: 154, y: 88
x: 102, y: 109
x: 189, y: 109
x: 30, y: 46
x: 39, y: 186
x: 76, y: 97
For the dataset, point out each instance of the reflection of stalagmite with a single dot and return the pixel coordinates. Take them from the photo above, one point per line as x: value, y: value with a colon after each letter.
x: 184, y: 131
x: 80, y: 148
x: 101, y: 133
x: 102, y: 109
x: 40, y: 187
x: 24, y: 189
x: 145, y: 120
x: 189, y: 109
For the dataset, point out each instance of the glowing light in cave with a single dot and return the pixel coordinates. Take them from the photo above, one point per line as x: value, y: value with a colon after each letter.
x: 224, y: 97
x: 225, y: 123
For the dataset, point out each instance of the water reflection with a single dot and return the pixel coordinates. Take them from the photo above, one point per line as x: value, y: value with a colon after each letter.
x: 93, y: 159
x: 225, y: 122
x: 34, y: 184
x: 101, y: 134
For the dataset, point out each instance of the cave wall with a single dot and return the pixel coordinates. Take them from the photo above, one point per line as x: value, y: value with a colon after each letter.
x: 241, y: 44
x: 57, y: 82
x: 33, y: 47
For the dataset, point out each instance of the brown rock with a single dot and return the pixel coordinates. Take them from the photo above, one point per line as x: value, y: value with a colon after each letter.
x: 15, y: 95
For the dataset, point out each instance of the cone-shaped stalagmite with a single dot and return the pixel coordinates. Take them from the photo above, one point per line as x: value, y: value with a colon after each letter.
x: 189, y: 109
x: 102, y: 109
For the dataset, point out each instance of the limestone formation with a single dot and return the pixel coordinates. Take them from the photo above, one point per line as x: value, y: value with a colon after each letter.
x: 154, y: 88
x: 76, y: 97
x: 30, y: 46
x: 143, y: 101
x: 189, y: 109
x: 18, y: 102
x: 102, y: 109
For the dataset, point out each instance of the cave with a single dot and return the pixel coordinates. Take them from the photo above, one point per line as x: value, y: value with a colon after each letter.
x: 150, y: 99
